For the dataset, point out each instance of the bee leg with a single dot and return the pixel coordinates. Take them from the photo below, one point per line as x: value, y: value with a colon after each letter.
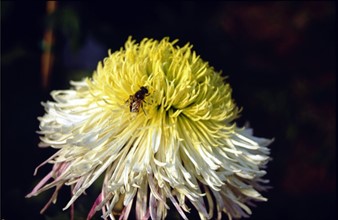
x: 129, y: 100
x: 143, y: 109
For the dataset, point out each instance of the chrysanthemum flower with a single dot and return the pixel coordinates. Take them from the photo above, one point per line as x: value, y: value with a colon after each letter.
x: 158, y: 122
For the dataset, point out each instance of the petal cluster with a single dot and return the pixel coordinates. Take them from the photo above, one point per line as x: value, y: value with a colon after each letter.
x: 181, y: 146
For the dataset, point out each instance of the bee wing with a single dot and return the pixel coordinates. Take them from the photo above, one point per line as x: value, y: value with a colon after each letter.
x: 135, y: 105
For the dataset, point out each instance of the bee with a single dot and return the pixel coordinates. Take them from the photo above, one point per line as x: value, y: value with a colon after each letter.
x: 136, y: 100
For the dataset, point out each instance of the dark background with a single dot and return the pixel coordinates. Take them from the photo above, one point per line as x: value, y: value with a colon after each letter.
x: 279, y: 56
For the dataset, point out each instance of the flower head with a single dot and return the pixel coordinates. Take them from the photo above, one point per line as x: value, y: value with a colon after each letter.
x: 158, y: 122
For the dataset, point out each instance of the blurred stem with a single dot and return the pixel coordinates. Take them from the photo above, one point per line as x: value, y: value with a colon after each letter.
x: 47, y: 57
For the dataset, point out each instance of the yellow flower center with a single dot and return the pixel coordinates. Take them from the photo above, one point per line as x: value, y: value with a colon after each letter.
x: 182, y: 88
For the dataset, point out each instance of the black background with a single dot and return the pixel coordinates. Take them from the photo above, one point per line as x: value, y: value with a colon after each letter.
x: 279, y: 56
